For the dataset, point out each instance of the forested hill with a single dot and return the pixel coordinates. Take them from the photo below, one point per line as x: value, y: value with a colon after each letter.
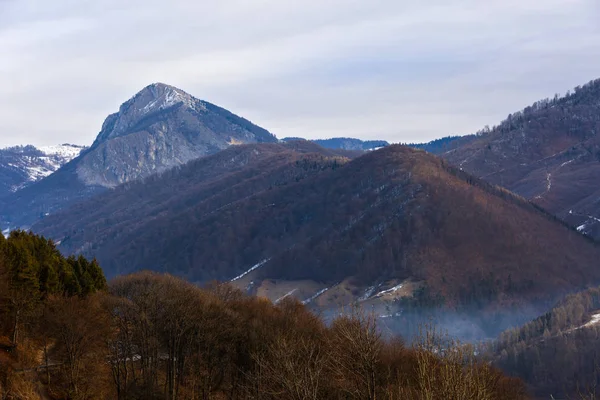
x: 333, y: 230
x: 557, y: 353
x: 548, y: 153
x: 32, y: 265
x: 63, y: 335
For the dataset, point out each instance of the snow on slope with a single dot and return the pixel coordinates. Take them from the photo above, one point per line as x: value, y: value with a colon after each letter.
x: 64, y: 151
x: 34, y: 163
x: 54, y: 157
x: 260, y: 264
x: 594, y: 320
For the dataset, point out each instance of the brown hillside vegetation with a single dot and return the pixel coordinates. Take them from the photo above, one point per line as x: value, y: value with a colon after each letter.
x: 154, y: 336
x: 396, y: 214
x: 548, y: 153
x: 200, y: 188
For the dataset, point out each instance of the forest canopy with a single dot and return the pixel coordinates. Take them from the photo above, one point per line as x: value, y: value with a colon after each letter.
x: 66, y: 334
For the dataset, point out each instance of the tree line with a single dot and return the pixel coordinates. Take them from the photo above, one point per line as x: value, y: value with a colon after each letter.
x: 558, y: 353
x: 153, y: 336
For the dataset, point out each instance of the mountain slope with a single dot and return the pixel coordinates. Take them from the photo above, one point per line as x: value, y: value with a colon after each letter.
x: 346, y: 143
x: 161, y: 127
x: 330, y: 231
x: 556, y: 353
x: 548, y: 153
x: 443, y: 145
x: 21, y: 166
x: 133, y: 211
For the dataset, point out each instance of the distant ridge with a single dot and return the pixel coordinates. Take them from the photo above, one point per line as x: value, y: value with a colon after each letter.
x: 21, y: 166
x: 345, y: 143
x: 548, y: 153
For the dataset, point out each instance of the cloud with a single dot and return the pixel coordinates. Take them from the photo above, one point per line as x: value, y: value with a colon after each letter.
x: 393, y: 69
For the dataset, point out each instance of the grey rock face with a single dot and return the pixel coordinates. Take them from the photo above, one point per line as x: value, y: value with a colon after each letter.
x: 159, y: 128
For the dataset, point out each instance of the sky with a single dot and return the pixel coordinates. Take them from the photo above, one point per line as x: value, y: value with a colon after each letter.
x: 398, y: 70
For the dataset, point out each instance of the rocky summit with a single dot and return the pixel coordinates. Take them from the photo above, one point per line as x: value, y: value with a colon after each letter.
x: 159, y: 128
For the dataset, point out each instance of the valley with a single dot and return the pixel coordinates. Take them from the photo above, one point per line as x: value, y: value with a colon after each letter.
x: 316, y: 200
x: 480, y: 235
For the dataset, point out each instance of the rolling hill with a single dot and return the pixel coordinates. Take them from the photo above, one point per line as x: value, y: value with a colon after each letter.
x: 391, y: 226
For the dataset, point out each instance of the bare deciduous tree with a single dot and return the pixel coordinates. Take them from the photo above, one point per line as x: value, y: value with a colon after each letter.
x: 356, y: 346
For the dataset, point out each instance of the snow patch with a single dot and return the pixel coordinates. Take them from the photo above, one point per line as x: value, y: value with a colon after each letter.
x: 397, y: 314
x: 170, y: 98
x: 291, y: 292
x: 567, y: 162
x: 66, y: 151
x: 391, y: 290
x: 320, y: 292
x: 368, y: 293
x: 260, y: 264
x: 548, y: 185
x: 6, y: 232
x: 593, y: 321
x: 590, y: 221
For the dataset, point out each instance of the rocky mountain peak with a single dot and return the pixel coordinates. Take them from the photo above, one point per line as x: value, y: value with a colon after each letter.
x: 159, y: 96
x: 153, y: 99
x: 161, y: 127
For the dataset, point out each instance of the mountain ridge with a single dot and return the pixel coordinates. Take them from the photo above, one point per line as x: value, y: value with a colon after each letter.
x: 159, y: 128
x: 549, y: 153
x: 345, y: 143
x: 21, y: 166
x: 397, y: 221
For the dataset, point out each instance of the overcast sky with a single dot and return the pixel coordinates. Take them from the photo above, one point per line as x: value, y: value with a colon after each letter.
x: 399, y: 70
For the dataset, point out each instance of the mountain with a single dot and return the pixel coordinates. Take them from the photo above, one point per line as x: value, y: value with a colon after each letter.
x: 346, y: 143
x: 161, y: 127
x: 21, y: 166
x: 201, y: 186
x: 391, y: 228
x: 548, y: 153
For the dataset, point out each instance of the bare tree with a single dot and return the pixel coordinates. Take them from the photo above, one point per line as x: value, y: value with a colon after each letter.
x: 292, y: 368
x: 80, y: 327
x: 355, y: 346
